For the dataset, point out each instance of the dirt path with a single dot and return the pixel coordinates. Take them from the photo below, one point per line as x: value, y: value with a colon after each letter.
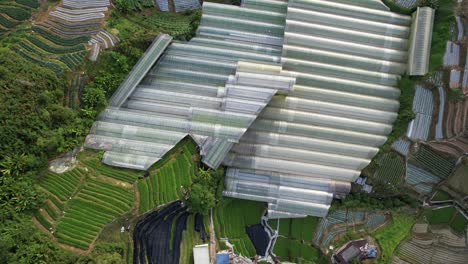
x: 212, y: 239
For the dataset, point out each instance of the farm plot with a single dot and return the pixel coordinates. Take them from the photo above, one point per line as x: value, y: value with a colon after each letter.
x: 296, y: 251
x: 96, y: 204
x: 434, y: 162
x: 166, y: 178
x: 157, y: 237
x: 63, y: 185
x: 99, y: 168
x: 391, y: 169
x: 73, y: 60
x: 190, y: 238
x: 391, y: 235
x: 231, y: 219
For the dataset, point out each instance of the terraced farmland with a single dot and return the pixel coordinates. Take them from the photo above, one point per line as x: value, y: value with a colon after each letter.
x: 64, y: 185
x: 434, y: 162
x: 80, y: 204
x: 176, y: 169
x: 93, y: 162
x: 96, y: 204
x: 231, y: 219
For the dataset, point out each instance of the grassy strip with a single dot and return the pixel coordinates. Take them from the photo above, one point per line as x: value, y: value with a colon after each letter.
x: 391, y: 235
x: 8, y: 23
x: 41, y: 43
x: 43, y: 221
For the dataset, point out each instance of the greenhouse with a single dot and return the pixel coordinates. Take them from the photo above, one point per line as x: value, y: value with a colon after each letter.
x: 294, y: 98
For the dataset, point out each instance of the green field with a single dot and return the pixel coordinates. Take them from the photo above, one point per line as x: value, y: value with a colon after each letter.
x: 177, y: 168
x: 92, y: 161
x: 190, y: 238
x: 62, y: 185
x: 439, y: 216
x: 294, y: 250
x: 391, y: 170
x: 80, y: 205
x: 441, y: 196
x: 230, y: 220
x: 459, y: 223
x: 391, y: 235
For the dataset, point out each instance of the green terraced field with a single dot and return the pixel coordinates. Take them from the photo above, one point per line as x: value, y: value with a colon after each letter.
x: 47, y: 46
x: 96, y: 204
x: 62, y: 185
x: 176, y: 169
x: 94, y: 163
x: 231, y: 219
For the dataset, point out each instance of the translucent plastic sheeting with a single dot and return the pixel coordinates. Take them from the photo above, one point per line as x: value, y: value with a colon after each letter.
x: 420, y: 41
x: 352, y: 10
x: 346, y: 47
x: 292, y: 167
x: 290, y: 180
x: 309, y: 143
x: 140, y: 69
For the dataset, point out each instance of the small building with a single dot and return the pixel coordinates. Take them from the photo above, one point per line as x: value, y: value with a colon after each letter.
x: 356, y: 249
x: 201, y: 254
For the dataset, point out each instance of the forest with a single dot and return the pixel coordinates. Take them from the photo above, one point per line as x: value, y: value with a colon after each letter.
x: 38, y: 122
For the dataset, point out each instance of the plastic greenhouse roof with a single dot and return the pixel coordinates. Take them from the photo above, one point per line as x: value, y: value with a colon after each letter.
x: 295, y: 106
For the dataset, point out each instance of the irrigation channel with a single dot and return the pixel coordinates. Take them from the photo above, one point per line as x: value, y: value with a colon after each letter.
x: 157, y: 237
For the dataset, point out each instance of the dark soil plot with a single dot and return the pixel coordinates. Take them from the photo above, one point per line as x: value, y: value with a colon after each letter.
x: 259, y: 238
x: 152, y: 237
x: 199, y: 227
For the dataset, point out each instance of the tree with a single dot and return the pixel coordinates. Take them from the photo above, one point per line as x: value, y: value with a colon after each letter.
x: 205, y: 191
x: 200, y: 199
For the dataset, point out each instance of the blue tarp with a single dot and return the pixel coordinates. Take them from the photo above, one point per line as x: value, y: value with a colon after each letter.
x: 222, y: 258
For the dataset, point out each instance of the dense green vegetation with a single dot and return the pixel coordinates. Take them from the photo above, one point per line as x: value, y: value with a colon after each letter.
x: 230, y: 219
x: 459, y: 223
x: 441, y: 196
x: 391, y: 235
x: 444, y: 19
x: 295, y: 241
x: 177, y: 169
x: 298, y: 252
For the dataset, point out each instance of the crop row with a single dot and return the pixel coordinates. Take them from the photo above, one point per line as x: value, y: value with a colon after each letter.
x: 51, y: 211
x: 43, y: 220
x: 31, y: 48
x: 163, y: 186
x: 118, y: 174
x: 16, y: 12
x: 391, y: 170
x: 29, y: 3
x: 55, y: 67
x: 434, y: 162
x: 97, y: 203
x: 41, y: 43
x: 59, y: 40
x: 8, y: 23
x: 62, y: 185
x: 72, y: 60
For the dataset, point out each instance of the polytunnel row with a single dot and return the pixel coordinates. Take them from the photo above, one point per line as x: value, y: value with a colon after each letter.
x: 295, y: 106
